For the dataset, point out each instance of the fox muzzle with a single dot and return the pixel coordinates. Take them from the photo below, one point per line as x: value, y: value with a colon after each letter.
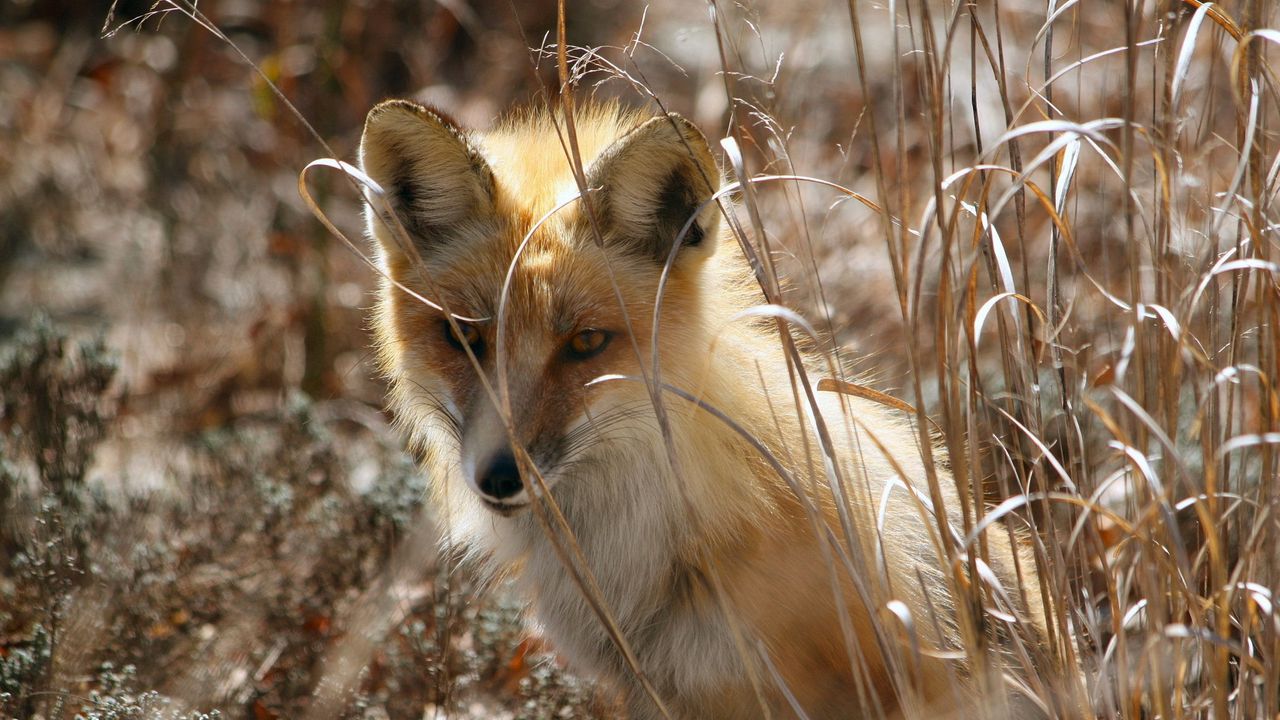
x: 500, y: 479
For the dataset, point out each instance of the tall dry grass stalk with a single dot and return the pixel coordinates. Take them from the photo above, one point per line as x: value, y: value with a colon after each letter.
x: 1076, y: 206
x: 1090, y: 299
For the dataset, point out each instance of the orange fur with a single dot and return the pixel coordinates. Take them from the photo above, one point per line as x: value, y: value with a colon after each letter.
x: 712, y: 565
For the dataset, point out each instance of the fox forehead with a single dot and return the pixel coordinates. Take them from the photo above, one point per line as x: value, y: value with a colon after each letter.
x: 529, y: 153
x: 559, y: 281
x: 559, y: 265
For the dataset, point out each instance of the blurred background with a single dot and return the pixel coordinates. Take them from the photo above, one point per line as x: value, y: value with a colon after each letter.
x: 205, y: 506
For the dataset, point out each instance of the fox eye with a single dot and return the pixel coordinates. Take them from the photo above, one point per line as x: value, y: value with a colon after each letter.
x: 466, y: 335
x: 588, y: 343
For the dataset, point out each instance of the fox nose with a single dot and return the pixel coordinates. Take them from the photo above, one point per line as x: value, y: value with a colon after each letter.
x: 501, y: 479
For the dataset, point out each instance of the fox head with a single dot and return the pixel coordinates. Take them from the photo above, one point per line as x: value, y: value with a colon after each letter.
x: 492, y: 232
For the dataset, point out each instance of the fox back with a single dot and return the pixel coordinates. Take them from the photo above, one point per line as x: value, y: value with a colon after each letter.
x: 588, y: 362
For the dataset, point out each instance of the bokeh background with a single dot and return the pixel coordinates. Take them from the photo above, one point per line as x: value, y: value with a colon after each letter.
x: 205, y: 506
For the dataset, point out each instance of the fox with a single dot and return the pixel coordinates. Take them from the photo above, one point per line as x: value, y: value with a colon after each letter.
x: 580, y: 362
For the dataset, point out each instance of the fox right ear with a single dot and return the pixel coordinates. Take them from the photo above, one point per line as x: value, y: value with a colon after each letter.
x: 434, y: 178
x: 653, y: 181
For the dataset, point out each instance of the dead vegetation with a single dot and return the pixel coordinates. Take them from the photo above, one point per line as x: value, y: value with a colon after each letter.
x: 1067, y: 261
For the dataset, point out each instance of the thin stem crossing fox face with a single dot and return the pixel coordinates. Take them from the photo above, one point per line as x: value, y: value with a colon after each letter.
x: 545, y: 300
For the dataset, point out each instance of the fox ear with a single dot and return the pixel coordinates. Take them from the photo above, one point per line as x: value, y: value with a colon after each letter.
x: 434, y: 178
x: 652, y: 180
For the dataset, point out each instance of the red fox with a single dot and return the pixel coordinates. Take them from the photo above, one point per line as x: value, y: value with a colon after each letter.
x: 748, y: 571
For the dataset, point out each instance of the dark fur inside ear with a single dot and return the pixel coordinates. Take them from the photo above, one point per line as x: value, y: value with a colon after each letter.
x: 435, y: 179
x: 652, y: 181
x: 676, y: 203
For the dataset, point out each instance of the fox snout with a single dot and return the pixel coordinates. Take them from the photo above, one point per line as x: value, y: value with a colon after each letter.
x: 491, y: 471
x: 499, y: 479
x: 489, y: 464
x: 546, y: 393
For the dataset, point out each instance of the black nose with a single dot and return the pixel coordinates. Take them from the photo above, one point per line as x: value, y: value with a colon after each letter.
x: 501, y: 479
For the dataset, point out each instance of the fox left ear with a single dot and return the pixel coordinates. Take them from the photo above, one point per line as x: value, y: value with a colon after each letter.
x: 652, y: 180
x: 435, y: 179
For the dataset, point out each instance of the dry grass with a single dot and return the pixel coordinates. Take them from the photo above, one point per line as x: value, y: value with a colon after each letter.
x: 1061, y: 254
